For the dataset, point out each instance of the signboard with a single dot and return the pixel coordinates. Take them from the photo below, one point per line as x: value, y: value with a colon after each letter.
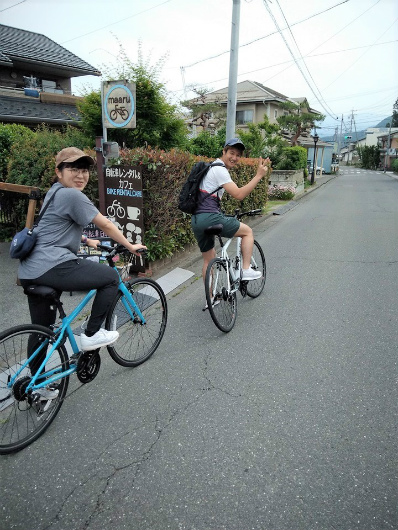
x: 93, y: 232
x: 118, y: 104
x: 124, y: 205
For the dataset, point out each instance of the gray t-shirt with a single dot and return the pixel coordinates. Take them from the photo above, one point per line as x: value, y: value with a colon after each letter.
x: 216, y: 176
x: 59, y: 232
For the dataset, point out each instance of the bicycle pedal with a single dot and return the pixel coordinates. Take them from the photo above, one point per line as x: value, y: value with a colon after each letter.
x: 243, y: 287
x: 74, y: 359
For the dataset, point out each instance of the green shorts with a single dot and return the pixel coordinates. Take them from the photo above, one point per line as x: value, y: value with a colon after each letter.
x: 201, y: 221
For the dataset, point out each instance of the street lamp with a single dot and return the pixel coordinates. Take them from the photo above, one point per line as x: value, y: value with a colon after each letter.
x: 315, y: 138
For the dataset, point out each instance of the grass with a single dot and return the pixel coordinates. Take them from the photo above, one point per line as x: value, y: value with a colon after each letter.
x: 271, y: 205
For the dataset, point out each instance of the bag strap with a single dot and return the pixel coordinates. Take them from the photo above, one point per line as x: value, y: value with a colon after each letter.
x: 43, y: 211
x: 219, y: 187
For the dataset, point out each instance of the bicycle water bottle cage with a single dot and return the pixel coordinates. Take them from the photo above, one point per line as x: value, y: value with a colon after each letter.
x: 214, y: 230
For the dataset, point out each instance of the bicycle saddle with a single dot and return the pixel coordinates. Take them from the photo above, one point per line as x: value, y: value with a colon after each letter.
x: 214, y: 230
x: 41, y: 290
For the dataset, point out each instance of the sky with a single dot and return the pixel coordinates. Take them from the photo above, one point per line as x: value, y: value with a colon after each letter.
x: 342, y: 55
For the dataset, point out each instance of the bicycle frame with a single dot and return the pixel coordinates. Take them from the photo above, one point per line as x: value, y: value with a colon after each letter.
x: 66, y: 329
x: 234, y: 264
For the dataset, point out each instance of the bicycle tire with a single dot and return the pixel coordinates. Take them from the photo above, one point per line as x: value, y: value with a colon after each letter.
x: 137, y: 342
x: 222, y: 304
x: 255, y: 287
x: 20, y: 423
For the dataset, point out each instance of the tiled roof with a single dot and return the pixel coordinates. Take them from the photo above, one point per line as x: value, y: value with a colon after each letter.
x: 21, y: 44
x: 25, y: 110
x: 269, y: 90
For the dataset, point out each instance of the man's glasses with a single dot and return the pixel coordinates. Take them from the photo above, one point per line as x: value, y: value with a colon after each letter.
x: 75, y: 171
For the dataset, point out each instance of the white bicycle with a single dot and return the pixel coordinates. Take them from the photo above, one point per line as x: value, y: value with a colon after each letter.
x: 223, y: 277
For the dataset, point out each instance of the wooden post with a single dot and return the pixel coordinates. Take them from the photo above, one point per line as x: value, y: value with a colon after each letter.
x: 34, y: 195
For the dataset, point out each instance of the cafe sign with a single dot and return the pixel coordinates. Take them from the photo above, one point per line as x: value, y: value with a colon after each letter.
x: 118, y: 104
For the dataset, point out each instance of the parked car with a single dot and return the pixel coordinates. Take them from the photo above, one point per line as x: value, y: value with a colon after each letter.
x: 318, y: 170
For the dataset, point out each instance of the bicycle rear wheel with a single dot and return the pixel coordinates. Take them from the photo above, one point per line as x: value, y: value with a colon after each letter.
x: 255, y: 287
x: 221, y: 302
x: 137, y: 341
x: 21, y: 420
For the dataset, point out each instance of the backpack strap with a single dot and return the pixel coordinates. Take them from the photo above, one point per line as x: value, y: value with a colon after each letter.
x: 219, y: 187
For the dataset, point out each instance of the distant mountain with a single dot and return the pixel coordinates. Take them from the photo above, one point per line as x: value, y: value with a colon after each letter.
x: 384, y: 122
x: 359, y: 134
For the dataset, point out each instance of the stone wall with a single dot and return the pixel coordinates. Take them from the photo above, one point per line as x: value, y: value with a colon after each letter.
x: 287, y: 177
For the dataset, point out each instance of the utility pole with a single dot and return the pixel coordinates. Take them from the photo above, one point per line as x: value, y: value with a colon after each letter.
x: 233, y: 71
x: 340, y: 138
x: 387, y: 147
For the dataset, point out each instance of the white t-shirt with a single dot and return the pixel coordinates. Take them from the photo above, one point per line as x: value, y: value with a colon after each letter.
x: 215, y: 178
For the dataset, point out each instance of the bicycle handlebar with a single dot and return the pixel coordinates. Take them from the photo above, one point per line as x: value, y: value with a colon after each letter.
x: 119, y: 249
x: 249, y: 213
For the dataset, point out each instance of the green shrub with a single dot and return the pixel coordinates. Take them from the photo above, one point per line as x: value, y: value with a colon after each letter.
x: 10, y: 134
x: 167, y: 229
x: 32, y: 158
x: 394, y: 165
x: 293, y: 158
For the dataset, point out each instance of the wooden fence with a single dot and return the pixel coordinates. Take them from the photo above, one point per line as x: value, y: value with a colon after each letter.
x: 10, y: 196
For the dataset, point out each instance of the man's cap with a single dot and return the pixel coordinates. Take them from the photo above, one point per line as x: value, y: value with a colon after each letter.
x: 235, y: 142
x: 71, y: 154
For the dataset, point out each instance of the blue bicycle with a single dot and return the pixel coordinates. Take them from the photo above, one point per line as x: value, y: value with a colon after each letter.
x: 138, y: 313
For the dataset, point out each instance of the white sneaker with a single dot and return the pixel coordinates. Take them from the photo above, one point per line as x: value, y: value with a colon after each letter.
x: 251, y: 274
x: 99, y: 339
x: 46, y: 394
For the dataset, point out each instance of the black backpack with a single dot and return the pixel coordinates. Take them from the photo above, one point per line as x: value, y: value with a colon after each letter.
x: 188, y: 199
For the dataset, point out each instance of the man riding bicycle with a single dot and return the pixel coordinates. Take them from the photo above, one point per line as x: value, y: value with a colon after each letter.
x: 211, y: 189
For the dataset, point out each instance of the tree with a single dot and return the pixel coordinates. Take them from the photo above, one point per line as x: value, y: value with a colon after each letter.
x: 158, y: 121
x: 369, y: 156
x: 394, y: 121
x: 207, y: 144
x: 263, y: 139
x: 206, y: 113
x: 297, y: 120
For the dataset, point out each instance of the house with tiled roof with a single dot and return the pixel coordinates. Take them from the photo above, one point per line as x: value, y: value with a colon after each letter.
x: 254, y: 100
x: 35, y: 79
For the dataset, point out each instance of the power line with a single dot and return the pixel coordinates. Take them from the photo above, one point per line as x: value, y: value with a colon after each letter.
x: 294, y: 58
x: 265, y: 36
x: 360, y: 57
x: 117, y: 22
x: 1, y: 10
x: 302, y: 58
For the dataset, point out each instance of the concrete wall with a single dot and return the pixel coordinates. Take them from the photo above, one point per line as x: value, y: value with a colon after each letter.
x: 281, y: 177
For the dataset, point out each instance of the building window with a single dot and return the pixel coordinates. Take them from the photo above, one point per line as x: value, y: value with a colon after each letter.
x: 244, y: 116
x: 275, y: 113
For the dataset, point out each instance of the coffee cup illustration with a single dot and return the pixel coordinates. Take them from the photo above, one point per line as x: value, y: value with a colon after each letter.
x: 133, y: 213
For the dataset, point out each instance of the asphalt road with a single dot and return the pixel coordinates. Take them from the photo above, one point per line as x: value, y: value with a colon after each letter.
x: 286, y: 423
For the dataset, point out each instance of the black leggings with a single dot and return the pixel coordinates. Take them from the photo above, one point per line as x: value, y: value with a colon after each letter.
x: 74, y: 275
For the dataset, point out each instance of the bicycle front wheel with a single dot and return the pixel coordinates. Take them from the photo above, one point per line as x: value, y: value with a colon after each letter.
x: 221, y: 301
x: 21, y: 420
x: 137, y: 340
x: 255, y: 287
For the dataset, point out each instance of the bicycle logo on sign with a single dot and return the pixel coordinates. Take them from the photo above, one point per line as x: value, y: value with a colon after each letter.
x: 116, y: 210
x: 122, y: 111
x: 119, y: 106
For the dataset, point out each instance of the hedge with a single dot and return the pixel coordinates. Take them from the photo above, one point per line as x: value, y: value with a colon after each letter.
x: 167, y: 229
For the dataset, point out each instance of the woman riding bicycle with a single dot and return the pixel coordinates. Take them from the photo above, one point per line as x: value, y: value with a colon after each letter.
x: 54, y: 262
x: 209, y: 212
